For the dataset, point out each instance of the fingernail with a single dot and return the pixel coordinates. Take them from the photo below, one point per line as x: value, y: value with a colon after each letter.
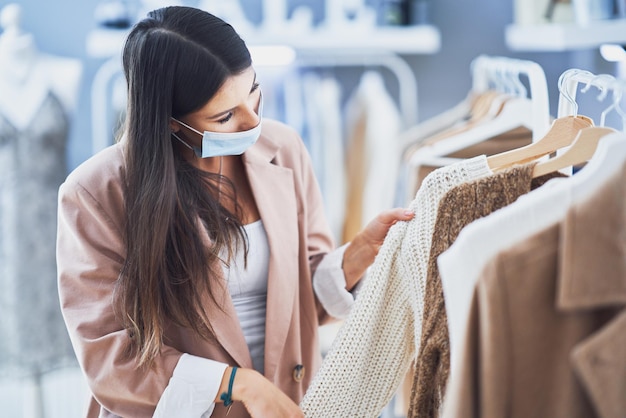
x: 408, y: 213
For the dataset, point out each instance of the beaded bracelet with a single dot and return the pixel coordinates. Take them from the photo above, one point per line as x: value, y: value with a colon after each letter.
x: 227, y: 397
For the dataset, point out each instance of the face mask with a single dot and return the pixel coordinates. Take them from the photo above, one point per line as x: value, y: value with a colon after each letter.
x: 218, y: 144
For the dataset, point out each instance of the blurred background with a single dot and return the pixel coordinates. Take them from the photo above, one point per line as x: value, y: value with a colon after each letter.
x: 324, y: 66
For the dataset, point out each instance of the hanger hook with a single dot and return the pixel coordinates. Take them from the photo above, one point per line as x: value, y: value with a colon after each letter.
x: 605, y: 82
x: 588, y: 85
x: 615, y: 105
x: 563, y: 90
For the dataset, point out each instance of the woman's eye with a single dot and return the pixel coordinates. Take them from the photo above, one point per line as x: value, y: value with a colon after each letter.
x: 254, y: 88
x: 226, y: 118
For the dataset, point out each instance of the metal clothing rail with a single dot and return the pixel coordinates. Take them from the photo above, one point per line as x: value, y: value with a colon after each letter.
x: 407, y: 84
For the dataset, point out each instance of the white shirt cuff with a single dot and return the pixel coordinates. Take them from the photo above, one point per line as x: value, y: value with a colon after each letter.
x: 329, y: 284
x: 192, y: 388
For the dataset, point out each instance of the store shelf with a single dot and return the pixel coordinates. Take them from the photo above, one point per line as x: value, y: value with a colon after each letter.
x: 565, y: 36
x: 422, y: 39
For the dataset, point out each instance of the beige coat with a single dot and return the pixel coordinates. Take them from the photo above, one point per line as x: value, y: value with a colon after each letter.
x: 90, y: 253
x: 547, y: 327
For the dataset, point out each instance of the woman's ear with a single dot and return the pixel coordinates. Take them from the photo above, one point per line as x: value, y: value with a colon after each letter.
x: 174, y: 126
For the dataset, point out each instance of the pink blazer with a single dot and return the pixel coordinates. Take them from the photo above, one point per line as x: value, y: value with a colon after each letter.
x: 90, y: 253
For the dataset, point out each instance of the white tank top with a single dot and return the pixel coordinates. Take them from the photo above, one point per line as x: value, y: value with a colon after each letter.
x: 248, y: 290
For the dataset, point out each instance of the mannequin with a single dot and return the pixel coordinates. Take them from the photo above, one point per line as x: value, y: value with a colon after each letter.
x: 27, y: 76
x: 38, y: 96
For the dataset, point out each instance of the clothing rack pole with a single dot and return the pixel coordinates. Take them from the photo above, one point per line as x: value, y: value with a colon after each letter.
x: 407, y: 85
x: 485, y: 69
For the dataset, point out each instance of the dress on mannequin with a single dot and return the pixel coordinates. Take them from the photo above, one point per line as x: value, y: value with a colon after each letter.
x: 38, y: 97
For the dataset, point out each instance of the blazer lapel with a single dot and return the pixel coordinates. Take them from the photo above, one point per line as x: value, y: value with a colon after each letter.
x: 600, y: 363
x: 226, y: 324
x: 228, y: 331
x: 274, y: 191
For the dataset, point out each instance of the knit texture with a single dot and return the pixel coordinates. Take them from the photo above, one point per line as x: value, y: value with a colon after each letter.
x: 377, y: 342
x: 460, y: 206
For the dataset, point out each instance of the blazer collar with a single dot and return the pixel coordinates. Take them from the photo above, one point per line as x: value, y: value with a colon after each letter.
x: 593, y: 253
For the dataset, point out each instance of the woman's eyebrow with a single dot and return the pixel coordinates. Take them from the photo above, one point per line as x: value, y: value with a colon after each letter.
x: 217, y: 115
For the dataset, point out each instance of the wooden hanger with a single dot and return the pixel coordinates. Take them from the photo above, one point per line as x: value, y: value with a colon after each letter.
x: 561, y: 134
x: 479, y: 108
x: 484, y: 106
x: 514, y: 113
x: 581, y: 151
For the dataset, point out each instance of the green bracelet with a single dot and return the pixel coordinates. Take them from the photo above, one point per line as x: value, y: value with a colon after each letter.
x: 227, y: 397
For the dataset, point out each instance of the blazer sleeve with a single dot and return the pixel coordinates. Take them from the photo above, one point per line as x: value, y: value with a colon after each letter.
x: 90, y: 253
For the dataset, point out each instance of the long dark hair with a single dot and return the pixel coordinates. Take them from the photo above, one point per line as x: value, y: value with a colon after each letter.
x: 174, y: 61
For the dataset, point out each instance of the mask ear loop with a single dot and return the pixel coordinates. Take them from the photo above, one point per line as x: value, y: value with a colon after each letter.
x: 219, y: 184
x: 219, y: 180
x: 195, y: 152
x: 183, y: 142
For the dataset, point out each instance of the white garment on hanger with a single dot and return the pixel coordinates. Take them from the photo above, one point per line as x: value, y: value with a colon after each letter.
x: 382, y: 147
x: 323, y: 133
x: 461, y: 265
x: 334, y: 185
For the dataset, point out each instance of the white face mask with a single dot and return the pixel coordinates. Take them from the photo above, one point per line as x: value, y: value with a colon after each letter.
x: 218, y: 144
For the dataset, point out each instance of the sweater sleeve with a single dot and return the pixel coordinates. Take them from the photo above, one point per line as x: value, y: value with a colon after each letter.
x: 374, y: 348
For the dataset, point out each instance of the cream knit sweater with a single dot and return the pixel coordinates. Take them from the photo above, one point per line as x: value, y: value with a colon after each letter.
x: 374, y: 348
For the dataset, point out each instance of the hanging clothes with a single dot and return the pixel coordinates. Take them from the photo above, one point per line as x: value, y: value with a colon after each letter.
x: 324, y: 111
x: 460, y: 206
x: 374, y: 348
x: 373, y: 152
x: 546, y: 333
x: 415, y: 173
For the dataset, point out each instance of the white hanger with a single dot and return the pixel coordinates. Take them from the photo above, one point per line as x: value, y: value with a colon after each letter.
x: 447, y: 119
x: 560, y: 135
x: 586, y: 143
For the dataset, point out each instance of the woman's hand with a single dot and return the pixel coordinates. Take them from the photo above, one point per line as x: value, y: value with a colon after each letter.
x: 361, y: 252
x: 261, y: 398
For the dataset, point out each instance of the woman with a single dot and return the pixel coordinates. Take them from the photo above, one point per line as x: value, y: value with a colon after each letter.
x: 188, y: 252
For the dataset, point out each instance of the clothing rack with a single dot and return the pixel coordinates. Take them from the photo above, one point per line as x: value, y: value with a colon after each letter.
x: 407, y: 84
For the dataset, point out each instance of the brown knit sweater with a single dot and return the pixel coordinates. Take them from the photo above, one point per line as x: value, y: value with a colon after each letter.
x: 459, y: 207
